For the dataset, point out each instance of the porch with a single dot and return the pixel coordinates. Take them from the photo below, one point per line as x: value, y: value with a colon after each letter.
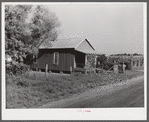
x: 86, y: 62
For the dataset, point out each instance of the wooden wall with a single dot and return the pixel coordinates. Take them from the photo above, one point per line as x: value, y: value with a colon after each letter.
x: 84, y: 46
x: 66, y: 59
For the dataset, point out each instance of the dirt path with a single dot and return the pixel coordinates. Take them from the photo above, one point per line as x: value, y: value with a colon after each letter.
x: 125, y: 94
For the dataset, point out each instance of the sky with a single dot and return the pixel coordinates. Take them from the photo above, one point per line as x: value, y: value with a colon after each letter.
x: 110, y: 28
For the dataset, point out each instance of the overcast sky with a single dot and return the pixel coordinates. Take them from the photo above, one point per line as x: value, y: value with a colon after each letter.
x: 110, y: 28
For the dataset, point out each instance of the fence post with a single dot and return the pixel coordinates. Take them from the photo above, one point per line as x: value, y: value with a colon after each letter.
x: 46, y: 70
x: 71, y: 70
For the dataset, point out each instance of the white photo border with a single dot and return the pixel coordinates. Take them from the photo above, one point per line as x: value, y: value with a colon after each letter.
x: 73, y: 114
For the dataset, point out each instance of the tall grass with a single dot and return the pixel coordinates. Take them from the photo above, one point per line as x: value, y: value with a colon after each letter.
x: 34, y: 89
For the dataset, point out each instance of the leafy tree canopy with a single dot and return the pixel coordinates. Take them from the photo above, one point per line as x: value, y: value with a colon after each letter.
x: 26, y: 26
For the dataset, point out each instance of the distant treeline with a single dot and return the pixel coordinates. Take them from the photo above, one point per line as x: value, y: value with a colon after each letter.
x: 106, y: 62
x: 125, y: 54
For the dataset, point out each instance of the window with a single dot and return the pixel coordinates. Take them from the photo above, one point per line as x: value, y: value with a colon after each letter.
x: 56, y: 58
x: 35, y: 59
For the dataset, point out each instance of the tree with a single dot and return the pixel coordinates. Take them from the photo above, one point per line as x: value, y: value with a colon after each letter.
x: 102, y: 59
x: 26, y: 27
x: 135, y: 54
x: 125, y: 54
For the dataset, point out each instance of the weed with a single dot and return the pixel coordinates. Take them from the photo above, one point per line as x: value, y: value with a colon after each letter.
x: 26, y: 91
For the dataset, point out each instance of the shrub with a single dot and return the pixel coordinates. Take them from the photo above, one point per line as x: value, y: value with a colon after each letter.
x: 16, y: 68
x: 102, y: 59
x: 22, y: 84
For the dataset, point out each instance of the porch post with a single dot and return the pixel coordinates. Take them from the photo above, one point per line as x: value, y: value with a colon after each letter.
x: 74, y: 62
x: 85, y: 59
x: 85, y: 63
x: 95, y: 63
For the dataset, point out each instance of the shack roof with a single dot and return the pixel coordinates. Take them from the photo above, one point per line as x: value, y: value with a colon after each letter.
x: 62, y: 43
x: 68, y: 43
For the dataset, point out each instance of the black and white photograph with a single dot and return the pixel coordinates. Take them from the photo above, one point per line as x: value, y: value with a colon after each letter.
x: 74, y: 61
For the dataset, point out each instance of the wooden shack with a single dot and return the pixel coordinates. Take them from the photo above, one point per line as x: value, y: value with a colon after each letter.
x: 67, y: 55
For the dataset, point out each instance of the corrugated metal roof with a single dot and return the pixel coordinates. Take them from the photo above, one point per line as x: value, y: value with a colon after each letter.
x: 67, y: 43
x: 61, y: 43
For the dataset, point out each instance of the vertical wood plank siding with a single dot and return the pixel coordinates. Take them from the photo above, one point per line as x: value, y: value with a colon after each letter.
x: 65, y: 59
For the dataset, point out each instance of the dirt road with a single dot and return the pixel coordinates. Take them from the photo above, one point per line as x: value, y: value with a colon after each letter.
x: 126, y: 94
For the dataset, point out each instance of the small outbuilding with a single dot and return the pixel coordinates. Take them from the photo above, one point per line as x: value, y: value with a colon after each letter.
x: 67, y: 55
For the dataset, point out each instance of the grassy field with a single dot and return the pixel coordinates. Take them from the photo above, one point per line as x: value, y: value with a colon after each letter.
x: 34, y: 89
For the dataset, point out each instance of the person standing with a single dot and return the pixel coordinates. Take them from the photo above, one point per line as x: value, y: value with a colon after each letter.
x: 124, y: 66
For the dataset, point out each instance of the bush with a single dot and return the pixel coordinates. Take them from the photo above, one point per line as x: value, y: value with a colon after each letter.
x: 16, y: 68
x: 22, y: 84
x: 101, y: 60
